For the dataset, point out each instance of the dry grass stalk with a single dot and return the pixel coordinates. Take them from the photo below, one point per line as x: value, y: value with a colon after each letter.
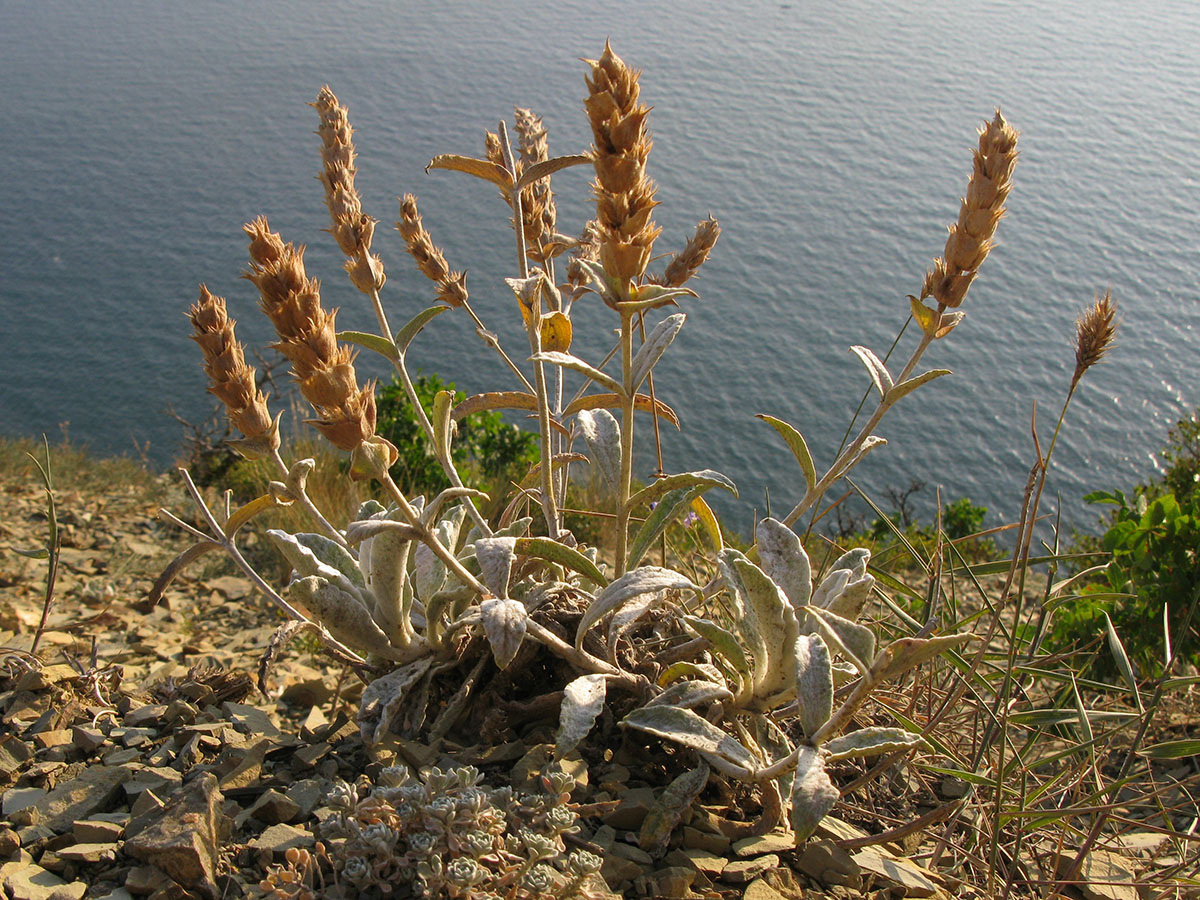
x: 233, y: 381
x: 308, y: 338
x: 624, y: 196
x: 451, y: 286
x: 1095, y: 332
x: 352, y: 229
x: 970, y: 238
x: 686, y: 262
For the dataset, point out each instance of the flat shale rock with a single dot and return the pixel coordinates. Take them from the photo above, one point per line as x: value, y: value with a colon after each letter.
x: 775, y: 842
x: 96, y: 789
x: 1106, y: 877
x: 895, y: 870
x: 35, y: 883
x: 741, y: 871
x: 760, y: 890
x: 181, y: 838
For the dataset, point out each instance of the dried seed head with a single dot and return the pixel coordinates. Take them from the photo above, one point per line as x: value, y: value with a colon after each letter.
x: 451, y: 286
x: 687, y: 261
x: 1095, y: 331
x: 624, y: 197
x: 971, y: 237
x: 308, y: 338
x: 232, y: 380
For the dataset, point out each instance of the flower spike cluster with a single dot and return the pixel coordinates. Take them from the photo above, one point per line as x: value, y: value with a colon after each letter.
x: 352, y: 229
x: 970, y: 238
x: 624, y: 196
x: 233, y: 381
x: 308, y: 338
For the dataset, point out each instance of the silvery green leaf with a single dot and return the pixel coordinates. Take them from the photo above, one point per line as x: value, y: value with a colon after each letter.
x: 583, y: 699
x: 405, y: 335
x: 385, y: 561
x: 382, y: 699
x: 602, y: 434
x: 831, y: 586
x: 749, y: 630
x: 380, y: 345
x: 685, y: 727
x: 685, y: 669
x: 656, y: 344
x: 850, y: 602
x: 670, y: 807
x: 608, y: 288
x: 782, y: 557
x: 867, y: 446
x: 814, y: 682
x: 504, y: 623
x: 644, y: 580
x: 706, y: 478
x: 430, y: 572
x: 905, y: 388
x: 855, y: 642
x: 307, y: 563
x: 443, y: 424
x: 625, y: 617
x: 690, y: 694
x: 671, y: 505
x: 875, y: 367
x: 725, y: 643
x: 773, y: 744
x: 1124, y: 666
x: 907, y: 653
x: 553, y: 551
x: 871, y: 741
x: 855, y: 560
x: 342, y: 613
x: 496, y: 556
x: 368, y: 509
x: 567, y: 361
x: 774, y: 671
x: 548, y: 167
x: 813, y: 794
x: 797, y: 445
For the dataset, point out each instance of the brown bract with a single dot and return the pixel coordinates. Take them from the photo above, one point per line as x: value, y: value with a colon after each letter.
x: 352, y: 229
x: 451, y: 286
x: 970, y: 238
x: 687, y: 262
x: 308, y: 338
x: 539, y: 215
x: 233, y: 381
x: 624, y: 196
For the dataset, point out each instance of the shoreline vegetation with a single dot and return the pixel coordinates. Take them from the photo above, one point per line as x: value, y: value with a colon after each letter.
x: 412, y: 651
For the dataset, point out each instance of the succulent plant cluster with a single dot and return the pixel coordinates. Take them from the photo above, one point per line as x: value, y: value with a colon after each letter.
x: 420, y: 589
x: 445, y: 835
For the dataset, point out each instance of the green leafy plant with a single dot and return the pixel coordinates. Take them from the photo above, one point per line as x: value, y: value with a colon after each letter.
x: 744, y: 669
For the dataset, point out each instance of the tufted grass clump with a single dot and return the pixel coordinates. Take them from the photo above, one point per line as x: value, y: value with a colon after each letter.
x: 783, y: 676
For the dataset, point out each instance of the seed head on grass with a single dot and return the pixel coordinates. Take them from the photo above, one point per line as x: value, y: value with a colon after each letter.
x: 352, y: 229
x: 686, y: 262
x: 451, y: 286
x: 624, y: 196
x: 233, y: 381
x: 1095, y: 333
x: 970, y: 238
x: 308, y: 338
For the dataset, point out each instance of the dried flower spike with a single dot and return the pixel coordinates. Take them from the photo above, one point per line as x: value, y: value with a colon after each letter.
x: 1095, y: 331
x: 624, y: 196
x: 308, y: 338
x: 970, y: 238
x: 686, y: 262
x: 351, y: 228
x: 451, y: 286
x: 539, y: 217
x: 233, y: 381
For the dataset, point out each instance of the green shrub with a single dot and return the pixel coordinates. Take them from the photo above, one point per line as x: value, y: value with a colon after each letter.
x: 1154, y: 539
x: 488, y: 451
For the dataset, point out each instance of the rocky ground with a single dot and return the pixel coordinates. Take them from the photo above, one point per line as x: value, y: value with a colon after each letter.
x: 138, y: 757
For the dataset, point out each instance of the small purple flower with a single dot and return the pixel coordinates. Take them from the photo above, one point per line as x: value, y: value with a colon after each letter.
x: 690, y: 519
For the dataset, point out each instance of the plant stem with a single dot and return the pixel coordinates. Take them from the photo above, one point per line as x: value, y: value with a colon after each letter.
x: 307, y: 504
x: 841, y: 464
x: 627, y: 404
